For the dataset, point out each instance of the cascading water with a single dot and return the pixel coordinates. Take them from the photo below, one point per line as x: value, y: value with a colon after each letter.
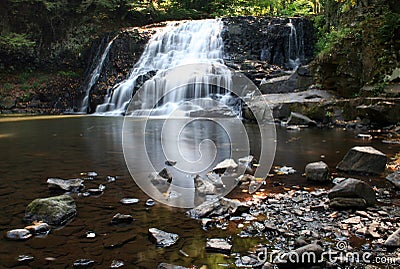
x: 94, y: 75
x: 296, y: 47
x: 178, y: 44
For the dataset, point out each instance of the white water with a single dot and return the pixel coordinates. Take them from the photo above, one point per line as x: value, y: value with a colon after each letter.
x: 178, y: 44
x: 94, y: 76
x: 294, y: 47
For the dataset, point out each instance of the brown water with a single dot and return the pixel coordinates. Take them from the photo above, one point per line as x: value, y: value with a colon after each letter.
x: 33, y: 150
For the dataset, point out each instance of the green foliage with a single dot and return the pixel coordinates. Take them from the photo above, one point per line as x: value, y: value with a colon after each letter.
x: 8, y: 86
x: 24, y: 76
x: 390, y: 27
x: 326, y: 41
x: 25, y: 87
x: 15, y: 42
x: 68, y: 74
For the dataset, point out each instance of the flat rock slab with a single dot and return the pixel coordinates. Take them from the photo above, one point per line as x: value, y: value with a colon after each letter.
x: 56, y: 211
x: 353, y: 188
x: 393, y: 240
x: 225, y: 165
x: 162, y: 238
x: 363, y: 160
x: 74, y: 184
x: 219, y: 245
x: 18, y: 234
x: 394, y: 178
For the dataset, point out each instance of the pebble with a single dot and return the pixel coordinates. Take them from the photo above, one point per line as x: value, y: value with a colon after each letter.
x: 111, y: 178
x: 18, y: 234
x: 150, y: 202
x: 90, y: 234
x: 25, y: 258
x: 116, y: 264
x: 129, y: 201
x: 121, y: 218
x: 81, y: 263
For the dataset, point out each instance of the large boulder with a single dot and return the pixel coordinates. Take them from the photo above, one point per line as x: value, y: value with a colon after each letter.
x: 317, y: 171
x: 353, y: 188
x: 363, y: 160
x: 56, y: 211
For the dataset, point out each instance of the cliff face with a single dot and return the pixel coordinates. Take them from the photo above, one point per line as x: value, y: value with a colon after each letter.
x: 366, y: 51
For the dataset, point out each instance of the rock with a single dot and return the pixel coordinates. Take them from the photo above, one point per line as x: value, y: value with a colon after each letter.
x: 74, y: 185
x: 111, y: 178
x: 317, y: 171
x: 170, y: 162
x: 18, y: 234
x: 170, y: 266
x: 394, y: 178
x: 308, y: 254
x: 280, y: 111
x: 352, y: 220
x: 129, y: 201
x: 7, y: 102
x: 248, y: 262
x: 299, y: 119
x: 363, y: 160
x: 345, y: 203
x: 83, y: 263
x: 56, y: 211
x: 393, y: 240
x: 165, y: 174
x: 353, y: 188
x: 382, y: 112
x: 227, y: 165
x: 95, y: 191
x: 117, y: 264
x: 217, y: 207
x: 121, y: 218
x: 219, y: 245
x: 156, y: 179
x: 39, y: 228
x: 25, y: 258
x: 215, y: 179
x: 162, y: 238
x: 150, y: 202
x: 204, y: 186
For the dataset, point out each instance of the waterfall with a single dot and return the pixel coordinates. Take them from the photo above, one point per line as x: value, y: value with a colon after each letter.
x: 296, y: 47
x: 178, y: 44
x: 94, y: 75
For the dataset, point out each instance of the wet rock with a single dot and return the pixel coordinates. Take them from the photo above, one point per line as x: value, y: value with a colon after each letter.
x: 25, y: 258
x: 74, y: 185
x: 217, y: 207
x: 299, y: 119
x: 393, y: 240
x: 18, y: 234
x: 248, y: 262
x: 39, y: 228
x: 249, y: 163
x: 204, y: 186
x: 317, y: 171
x: 129, y: 201
x: 228, y: 165
x: 170, y: 266
x: 215, y: 179
x: 150, y: 202
x: 83, y: 263
x: 363, y: 160
x: 111, y: 178
x: 117, y: 264
x: 95, y: 191
x: 90, y: 234
x: 56, y: 211
x: 156, y: 179
x: 280, y: 111
x: 394, y: 178
x: 170, y: 162
x: 353, y: 188
x: 165, y: 174
x: 345, y: 203
x: 121, y: 218
x: 162, y: 238
x: 219, y: 245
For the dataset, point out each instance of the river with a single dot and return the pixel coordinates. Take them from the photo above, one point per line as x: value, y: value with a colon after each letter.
x: 35, y: 149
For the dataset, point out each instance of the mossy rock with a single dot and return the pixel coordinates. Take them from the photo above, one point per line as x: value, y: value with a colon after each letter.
x: 56, y: 211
